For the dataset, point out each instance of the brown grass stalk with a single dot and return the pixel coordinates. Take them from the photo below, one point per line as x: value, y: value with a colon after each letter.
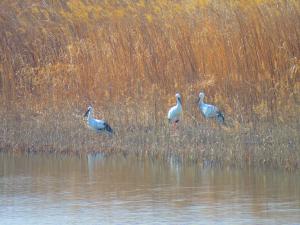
x: 128, y: 58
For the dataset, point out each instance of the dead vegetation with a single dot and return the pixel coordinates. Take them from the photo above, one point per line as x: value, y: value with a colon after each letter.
x: 128, y: 58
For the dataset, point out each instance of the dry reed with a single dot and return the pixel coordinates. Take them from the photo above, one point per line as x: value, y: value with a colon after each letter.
x: 128, y: 58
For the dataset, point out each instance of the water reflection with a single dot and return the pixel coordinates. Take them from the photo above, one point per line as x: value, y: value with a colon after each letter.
x: 101, y: 189
x: 93, y: 159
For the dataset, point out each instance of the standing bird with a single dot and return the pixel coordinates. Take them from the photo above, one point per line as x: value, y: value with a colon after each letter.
x: 210, y: 111
x: 176, y: 111
x: 97, y: 125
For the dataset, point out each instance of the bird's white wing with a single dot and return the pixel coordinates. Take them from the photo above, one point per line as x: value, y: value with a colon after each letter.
x: 171, y: 112
x: 174, y: 113
x: 98, y: 124
x: 208, y: 110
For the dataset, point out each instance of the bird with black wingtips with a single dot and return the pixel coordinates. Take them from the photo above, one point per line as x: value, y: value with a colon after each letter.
x: 96, y: 124
x: 210, y: 111
x: 175, y: 112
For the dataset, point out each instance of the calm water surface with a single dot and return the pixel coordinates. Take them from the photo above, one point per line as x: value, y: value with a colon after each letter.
x: 59, y: 189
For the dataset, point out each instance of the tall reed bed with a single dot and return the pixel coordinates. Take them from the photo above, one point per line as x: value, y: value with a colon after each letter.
x: 128, y: 58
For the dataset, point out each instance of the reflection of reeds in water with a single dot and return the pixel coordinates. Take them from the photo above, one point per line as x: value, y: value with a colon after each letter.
x: 125, y: 178
x: 132, y: 56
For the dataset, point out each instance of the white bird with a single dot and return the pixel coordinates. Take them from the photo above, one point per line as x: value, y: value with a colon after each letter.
x: 95, y: 124
x: 176, y: 111
x: 210, y: 111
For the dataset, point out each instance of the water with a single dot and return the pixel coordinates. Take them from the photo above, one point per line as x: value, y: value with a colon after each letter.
x: 60, y: 189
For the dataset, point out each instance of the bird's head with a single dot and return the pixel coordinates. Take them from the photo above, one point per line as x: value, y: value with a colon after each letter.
x: 178, y: 98
x: 89, y: 110
x: 201, y: 96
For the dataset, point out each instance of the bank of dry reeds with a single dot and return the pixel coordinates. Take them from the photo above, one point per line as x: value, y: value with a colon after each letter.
x: 197, y: 142
x: 128, y: 58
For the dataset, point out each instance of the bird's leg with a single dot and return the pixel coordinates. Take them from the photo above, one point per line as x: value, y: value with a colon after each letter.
x: 174, y: 126
x: 174, y: 129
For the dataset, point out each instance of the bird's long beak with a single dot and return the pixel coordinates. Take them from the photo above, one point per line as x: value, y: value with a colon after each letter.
x: 198, y: 100
x: 86, y: 113
x: 179, y: 99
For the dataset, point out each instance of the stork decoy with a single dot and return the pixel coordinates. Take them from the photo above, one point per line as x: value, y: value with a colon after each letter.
x: 95, y: 124
x: 175, y: 111
x: 210, y: 111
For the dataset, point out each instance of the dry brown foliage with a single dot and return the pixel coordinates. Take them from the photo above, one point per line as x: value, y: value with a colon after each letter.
x: 128, y: 58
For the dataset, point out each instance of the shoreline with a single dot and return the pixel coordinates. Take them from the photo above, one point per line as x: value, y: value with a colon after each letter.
x: 274, y: 147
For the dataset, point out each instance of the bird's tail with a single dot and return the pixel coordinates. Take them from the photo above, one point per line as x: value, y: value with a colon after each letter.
x: 220, y: 117
x: 108, y: 129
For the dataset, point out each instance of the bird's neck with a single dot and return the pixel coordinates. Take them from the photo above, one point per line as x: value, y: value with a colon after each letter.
x: 201, y: 101
x: 178, y: 105
x: 90, y: 116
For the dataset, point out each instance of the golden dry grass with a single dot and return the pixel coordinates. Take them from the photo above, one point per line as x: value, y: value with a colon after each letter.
x: 56, y: 57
